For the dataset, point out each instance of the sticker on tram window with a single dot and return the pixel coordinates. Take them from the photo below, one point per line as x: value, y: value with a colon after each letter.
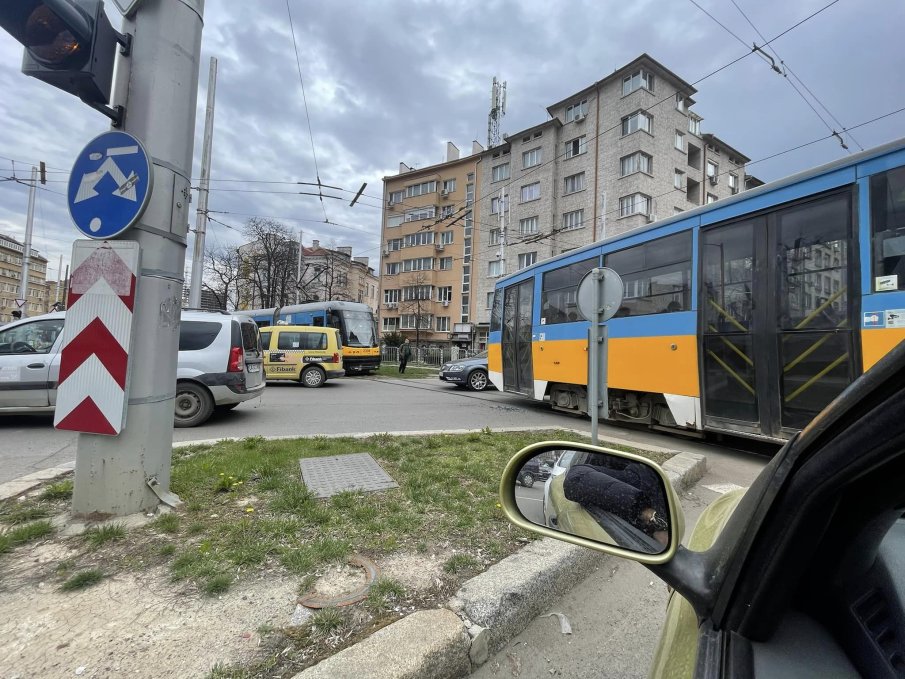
x: 886, y: 283
x: 895, y: 318
x: 873, y: 319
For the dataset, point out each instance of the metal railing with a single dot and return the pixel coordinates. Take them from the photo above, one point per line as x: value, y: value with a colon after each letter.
x: 429, y: 356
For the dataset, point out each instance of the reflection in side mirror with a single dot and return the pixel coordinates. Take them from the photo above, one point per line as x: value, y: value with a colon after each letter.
x: 601, y: 497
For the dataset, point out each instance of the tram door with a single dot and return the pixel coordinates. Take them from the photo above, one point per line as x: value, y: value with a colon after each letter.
x: 518, y: 301
x: 777, y: 312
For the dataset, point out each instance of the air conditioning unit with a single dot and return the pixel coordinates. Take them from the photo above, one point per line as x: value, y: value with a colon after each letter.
x: 714, y: 180
x: 651, y: 218
x: 391, y: 305
x: 579, y: 117
x: 390, y: 203
x: 444, y: 193
x: 445, y: 302
x: 386, y: 251
x: 440, y: 247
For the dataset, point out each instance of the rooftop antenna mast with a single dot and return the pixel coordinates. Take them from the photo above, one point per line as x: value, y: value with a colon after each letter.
x: 497, y: 111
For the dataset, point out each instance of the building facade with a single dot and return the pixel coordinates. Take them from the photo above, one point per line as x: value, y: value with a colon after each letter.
x: 613, y: 157
x: 38, y: 299
x: 427, y: 235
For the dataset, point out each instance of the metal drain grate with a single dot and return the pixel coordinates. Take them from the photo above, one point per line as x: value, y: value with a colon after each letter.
x: 326, y: 476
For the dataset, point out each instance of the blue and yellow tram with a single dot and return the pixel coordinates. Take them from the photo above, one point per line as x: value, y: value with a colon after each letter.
x: 745, y: 316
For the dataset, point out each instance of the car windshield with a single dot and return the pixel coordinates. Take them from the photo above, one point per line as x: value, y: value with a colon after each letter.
x: 359, y: 329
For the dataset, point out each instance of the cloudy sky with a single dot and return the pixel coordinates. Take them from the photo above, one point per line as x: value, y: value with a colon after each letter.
x: 390, y: 81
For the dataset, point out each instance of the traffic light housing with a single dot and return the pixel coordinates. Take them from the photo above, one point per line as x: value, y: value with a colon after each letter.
x: 69, y: 44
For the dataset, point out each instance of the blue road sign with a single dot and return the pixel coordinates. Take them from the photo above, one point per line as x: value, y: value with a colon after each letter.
x: 110, y: 185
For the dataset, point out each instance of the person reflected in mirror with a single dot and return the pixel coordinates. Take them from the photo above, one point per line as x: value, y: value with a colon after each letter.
x: 632, y: 491
x: 405, y: 353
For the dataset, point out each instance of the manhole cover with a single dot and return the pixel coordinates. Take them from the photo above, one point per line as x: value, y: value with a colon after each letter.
x: 326, y: 476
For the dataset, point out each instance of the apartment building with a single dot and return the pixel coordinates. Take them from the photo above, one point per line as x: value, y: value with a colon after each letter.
x: 336, y: 274
x: 428, y: 250
x: 613, y: 157
x: 37, y: 299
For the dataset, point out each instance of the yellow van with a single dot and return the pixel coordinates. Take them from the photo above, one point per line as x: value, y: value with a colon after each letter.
x: 303, y: 353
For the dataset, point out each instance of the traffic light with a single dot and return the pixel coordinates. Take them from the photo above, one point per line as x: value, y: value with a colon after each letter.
x: 69, y: 44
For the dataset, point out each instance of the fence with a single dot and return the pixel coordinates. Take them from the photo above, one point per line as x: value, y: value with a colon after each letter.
x: 430, y: 356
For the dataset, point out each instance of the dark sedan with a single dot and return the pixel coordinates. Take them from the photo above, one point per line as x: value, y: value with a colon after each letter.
x: 470, y: 373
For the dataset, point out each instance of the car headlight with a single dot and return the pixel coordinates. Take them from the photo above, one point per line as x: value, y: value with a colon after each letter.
x: 456, y: 368
x: 444, y: 367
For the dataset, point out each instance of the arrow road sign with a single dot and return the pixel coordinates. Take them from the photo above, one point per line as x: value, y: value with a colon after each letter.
x: 110, y: 185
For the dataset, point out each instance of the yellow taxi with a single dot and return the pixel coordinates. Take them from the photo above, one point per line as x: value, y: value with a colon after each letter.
x: 302, y: 353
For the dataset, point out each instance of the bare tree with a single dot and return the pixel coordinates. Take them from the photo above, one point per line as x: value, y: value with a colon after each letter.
x: 222, y: 275
x: 415, y: 300
x: 269, y: 262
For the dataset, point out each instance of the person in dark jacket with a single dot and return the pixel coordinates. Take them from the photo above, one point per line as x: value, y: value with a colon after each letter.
x: 405, y: 353
x: 633, y: 492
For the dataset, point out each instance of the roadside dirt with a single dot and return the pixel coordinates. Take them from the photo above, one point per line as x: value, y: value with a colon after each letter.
x: 142, y: 625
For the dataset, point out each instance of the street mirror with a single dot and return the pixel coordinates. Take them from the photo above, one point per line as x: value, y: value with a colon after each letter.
x: 610, y: 500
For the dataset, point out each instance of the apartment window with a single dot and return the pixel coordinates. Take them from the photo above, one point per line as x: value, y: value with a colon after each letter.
x: 733, y: 183
x: 656, y: 276
x: 449, y: 185
x: 444, y: 294
x: 394, y: 244
x: 390, y: 296
x: 681, y: 104
x: 446, y: 211
x: 446, y: 238
x: 499, y: 172
x: 679, y: 180
x: 394, y: 220
x: 418, y: 264
x: 391, y: 324
x: 577, y: 111
x: 635, y: 204
x: 419, y: 238
x: 637, y: 121
x: 576, y: 146
x: 445, y: 263
x: 392, y: 268
x: 636, y: 162
x: 495, y: 268
x: 530, y: 192
x: 572, y: 220
x: 694, y: 125
x: 527, y: 226
x: 573, y: 183
x: 637, y: 80
x: 495, y: 204
x: 531, y: 158
x: 417, y: 214
x: 411, y: 321
x: 711, y: 198
x: 526, y: 259
x: 442, y: 323
x: 417, y: 292
x: 397, y: 197
x: 469, y: 194
x: 680, y: 141
x: 712, y: 169
x: 495, y: 236
x: 420, y: 189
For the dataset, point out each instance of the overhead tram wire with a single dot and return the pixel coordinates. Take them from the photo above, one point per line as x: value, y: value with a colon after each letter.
x: 786, y: 67
x: 298, y: 63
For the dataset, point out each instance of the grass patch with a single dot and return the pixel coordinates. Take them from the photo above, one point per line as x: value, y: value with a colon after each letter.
x: 217, y: 584
x: 167, y: 523
x: 23, y: 513
x: 82, y: 579
x: 100, y: 535
x: 411, y: 372
x: 384, y: 594
x: 461, y: 563
x: 326, y: 621
x: 61, y: 490
x: 23, y: 534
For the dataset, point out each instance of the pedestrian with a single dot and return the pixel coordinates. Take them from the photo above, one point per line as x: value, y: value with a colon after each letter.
x: 405, y: 353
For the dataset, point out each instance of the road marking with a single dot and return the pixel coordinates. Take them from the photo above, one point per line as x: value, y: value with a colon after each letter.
x: 723, y: 488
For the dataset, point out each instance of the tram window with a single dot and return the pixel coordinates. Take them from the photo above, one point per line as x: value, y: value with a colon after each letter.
x: 656, y: 276
x: 560, y: 292
x: 887, y: 214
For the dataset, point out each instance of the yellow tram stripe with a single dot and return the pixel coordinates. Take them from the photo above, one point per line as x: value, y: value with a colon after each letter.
x: 729, y: 370
x: 816, y: 377
x: 728, y: 317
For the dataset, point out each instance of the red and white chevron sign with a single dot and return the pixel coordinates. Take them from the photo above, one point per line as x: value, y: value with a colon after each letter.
x: 94, y: 366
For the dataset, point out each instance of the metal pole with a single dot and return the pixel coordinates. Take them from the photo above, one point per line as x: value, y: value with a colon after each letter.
x: 298, y: 276
x: 112, y: 474
x: 593, y: 386
x: 26, y: 252
x: 201, y: 219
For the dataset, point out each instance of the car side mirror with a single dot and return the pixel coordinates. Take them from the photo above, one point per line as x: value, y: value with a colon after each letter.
x: 609, y: 500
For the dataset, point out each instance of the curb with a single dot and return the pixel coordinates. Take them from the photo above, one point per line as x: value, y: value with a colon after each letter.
x: 23, y: 484
x: 492, y: 607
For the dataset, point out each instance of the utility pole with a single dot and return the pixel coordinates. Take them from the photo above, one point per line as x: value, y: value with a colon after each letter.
x: 201, y: 219
x: 114, y: 475
x: 26, y: 253
x: 298, y: 277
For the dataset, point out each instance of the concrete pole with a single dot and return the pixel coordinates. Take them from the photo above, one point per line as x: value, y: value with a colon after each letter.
x: 26, y: 252
x: 160, y: 90
x: 201, y: 219
x: 298, y: 276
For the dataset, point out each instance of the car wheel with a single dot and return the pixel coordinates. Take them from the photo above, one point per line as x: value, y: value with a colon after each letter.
x: 194, y: 404
x: 313, y: 377
x: 477, y: 381
x: 527, y: 479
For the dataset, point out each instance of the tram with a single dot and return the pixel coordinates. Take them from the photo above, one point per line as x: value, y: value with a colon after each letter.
x: 355, y: 322
x: 745, y: 316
